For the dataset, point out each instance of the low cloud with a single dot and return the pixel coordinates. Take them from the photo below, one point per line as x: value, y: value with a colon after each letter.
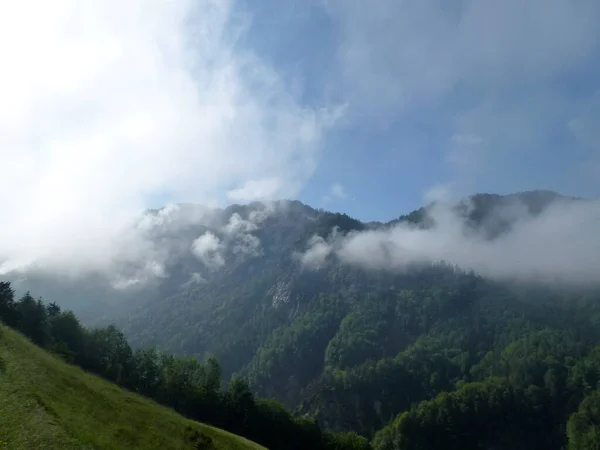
x: 247, y: 245
x: 256, y: 190
x: 317, y: 253
x: 141, y: 276
x: 235, y: 239
x: 238, y: 231
x: 209, y: 249
x: 560, y: 244
x: 195, y: 278
x: 238, y: 225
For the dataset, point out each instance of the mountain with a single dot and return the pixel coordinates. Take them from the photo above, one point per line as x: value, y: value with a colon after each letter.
x: 251, y: 238
x: 316, y: 309
x: 47, y: 404
x: 253, y: 278
x: 228, y: 278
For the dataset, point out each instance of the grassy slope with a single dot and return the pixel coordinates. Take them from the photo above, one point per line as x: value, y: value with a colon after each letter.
x: 47, y: 404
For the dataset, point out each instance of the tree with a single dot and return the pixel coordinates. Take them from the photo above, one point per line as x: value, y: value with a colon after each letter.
x: 346, y: 441
x: 33, y: 320
x: 147, y: 373
x: 240, y: 404
x: 52, y: 309
x: 212, y: 382
x: 583, y: 428
x: 66, y: 329
x: 8, y: 313
x: 108, y: 354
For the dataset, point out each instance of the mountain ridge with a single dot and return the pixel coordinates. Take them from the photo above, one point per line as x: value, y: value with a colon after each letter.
x: 275, y: 234
x: 531, y: 196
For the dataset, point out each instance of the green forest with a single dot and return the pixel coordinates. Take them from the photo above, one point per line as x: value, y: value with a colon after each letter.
x: 192, y: 387
x: 462, y: 363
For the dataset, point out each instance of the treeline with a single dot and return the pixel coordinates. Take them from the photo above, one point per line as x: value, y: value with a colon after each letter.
x: 186, y: 384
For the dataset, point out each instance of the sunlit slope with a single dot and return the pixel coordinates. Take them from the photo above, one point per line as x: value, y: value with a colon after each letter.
x: 48, y: 404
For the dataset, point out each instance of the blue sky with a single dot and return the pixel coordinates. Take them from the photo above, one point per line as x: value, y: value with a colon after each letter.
x: 472, y: 96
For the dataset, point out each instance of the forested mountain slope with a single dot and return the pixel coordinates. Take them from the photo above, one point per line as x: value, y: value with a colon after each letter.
x: 327, y: 315
x: 540, y: 391
x: 255, y: 277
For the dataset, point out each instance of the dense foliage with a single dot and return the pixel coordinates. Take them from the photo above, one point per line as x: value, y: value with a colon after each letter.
x: 470, y: 366
x: 363, y: 361
x: 190, y: 386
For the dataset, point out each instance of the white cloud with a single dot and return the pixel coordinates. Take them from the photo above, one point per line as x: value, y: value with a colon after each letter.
x: 560, y: 244
x: 246, y: 245
x: 238, y: 225
x: 209, y: 249
x: 256, y: 190
x: 195, y: 278
x: 258, y: 216
x: 438, y: 193
x: 317, y: 253
x: 174, y: 218
x: 338, y: 191
x: 107, y: 105
x: 238, y: 234
x: 142, y: 275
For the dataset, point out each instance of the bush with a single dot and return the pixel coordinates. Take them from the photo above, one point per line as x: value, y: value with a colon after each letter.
x: 198, y: 440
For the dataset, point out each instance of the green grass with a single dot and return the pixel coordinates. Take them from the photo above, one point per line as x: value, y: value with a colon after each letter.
x: 48, y: 404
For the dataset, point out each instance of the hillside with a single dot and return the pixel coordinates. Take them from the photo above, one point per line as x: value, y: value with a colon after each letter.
x: 368, y: 327
x: 48, y: 404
